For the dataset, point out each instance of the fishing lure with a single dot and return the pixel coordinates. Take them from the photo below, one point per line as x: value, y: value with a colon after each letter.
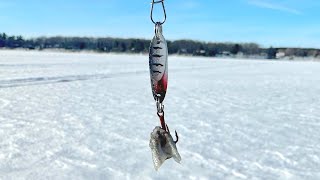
x: 162, y: 145
x: 158, y: 63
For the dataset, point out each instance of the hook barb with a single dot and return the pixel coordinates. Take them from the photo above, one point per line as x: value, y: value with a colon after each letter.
x: 177, y: 137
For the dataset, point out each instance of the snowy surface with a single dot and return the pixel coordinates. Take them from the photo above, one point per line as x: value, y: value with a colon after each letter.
x: 89, y: 116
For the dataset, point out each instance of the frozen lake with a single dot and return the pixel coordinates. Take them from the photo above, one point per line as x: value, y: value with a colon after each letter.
x: 89, y: 116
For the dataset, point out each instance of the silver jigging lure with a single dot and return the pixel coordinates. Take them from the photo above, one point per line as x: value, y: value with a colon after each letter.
x: 158, y: 64
x: 162, y: 145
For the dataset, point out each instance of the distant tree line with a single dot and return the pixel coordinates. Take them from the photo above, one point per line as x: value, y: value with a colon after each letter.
x: 186, y: 47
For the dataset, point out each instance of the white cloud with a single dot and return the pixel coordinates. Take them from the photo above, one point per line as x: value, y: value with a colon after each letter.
x: 274, y: 6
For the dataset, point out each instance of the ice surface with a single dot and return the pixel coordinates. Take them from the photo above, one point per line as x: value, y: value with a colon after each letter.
x: 89, y: 116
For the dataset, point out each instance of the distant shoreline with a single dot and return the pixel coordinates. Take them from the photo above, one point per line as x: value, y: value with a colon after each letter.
x: 141, y: 46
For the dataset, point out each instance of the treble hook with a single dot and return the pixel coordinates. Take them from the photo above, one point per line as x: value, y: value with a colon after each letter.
x: 164, y: 11
x: 164, y: 125
x: 177, y: 137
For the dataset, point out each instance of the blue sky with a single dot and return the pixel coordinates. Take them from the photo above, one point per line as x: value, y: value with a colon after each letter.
x: 292, y: 23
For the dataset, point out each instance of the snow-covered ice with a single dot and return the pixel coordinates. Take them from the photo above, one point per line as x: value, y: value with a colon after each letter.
x: 89, y: 116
